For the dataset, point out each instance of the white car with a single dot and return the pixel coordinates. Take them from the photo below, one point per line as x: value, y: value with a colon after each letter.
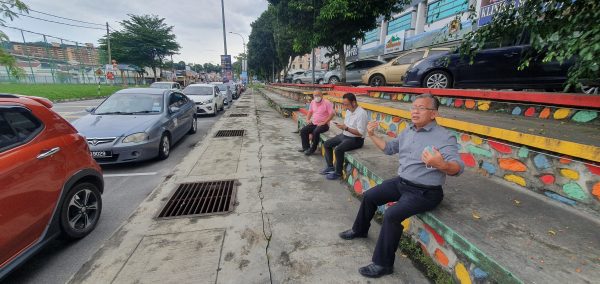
x: 166, y: 85
x: 206, y: 97
x: 226, y: 90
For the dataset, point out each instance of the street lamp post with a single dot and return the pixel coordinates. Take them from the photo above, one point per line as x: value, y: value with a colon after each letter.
x: 244, y: 45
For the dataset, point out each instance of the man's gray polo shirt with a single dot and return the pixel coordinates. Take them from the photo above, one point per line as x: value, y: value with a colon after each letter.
x: 410, y: 144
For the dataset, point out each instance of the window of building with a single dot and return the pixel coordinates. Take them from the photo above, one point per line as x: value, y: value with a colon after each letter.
x: 300, y: 66
x: 445, y: 8
x: 399, y: 24
x: 371, y: 36
x: 293, y: 66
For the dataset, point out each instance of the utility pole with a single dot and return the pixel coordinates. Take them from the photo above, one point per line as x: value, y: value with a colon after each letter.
x: 108, y: 43
x: 224, y: 33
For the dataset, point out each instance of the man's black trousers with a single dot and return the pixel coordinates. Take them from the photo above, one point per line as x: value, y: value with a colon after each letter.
x: 316, y: 132
x: 410, y: 199
x: 342, y: 144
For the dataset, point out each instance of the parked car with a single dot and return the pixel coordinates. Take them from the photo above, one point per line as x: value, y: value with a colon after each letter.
x: 392, y: 73
x: 354, y: 71
x: 306, y: 77
x: 225, y: 90
x: 495, y: 67
x: 49, y: 183
x: 137, y: 124
x: 290, y: 75
x: 206, y: 97
x: 166, y: 85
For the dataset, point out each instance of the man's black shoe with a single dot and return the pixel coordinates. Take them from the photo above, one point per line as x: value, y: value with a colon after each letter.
x: 350, y: 234
x: 375, y: 271
x: 309, y: 152
x: 302, y: 150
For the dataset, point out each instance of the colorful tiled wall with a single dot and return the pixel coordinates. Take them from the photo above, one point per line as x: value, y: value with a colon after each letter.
x: 564, y: 179
x: 527, y: 110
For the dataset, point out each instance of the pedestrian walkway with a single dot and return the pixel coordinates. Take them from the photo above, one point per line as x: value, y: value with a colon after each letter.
x: 283, y: 228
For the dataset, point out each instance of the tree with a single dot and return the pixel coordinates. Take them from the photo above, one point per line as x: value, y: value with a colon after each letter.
x: 333, y: 24
x: 9, y: 9
x: 559, y: 29
x: 261, y: 45
x: 144, y: 41
x: 180, y: 65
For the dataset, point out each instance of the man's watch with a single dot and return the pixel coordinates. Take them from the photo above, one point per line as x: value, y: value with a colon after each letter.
x: 346, y: 129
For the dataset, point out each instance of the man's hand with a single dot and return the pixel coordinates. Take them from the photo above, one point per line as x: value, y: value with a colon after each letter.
x: 434, y: 159
x: 341, y: 126
x: 371, y: 126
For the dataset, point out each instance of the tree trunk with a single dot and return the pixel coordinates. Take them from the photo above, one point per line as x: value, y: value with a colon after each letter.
x: 342, y: 55
x: 154, y: 71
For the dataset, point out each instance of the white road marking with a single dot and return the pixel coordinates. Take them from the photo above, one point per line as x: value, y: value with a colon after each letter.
x: 131, y: 174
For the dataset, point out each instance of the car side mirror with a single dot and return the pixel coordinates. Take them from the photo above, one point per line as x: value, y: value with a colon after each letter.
x: 90, y: 109
x: 395, y: 63
x: 173, y: 109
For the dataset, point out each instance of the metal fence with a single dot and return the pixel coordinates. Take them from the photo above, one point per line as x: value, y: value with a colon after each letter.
x: 47, y: 59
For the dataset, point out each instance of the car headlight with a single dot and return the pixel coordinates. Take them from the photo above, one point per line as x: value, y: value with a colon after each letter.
x: 136, y: 137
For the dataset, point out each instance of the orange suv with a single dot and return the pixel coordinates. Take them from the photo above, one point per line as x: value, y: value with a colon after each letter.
x: 49, y: 183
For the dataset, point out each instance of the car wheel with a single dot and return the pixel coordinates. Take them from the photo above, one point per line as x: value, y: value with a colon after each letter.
x: 164, y: 148
x: 437, y: 79
x: 298, y: 82
x: 80, y: 211
x: 334, y: 80
x: 590, y: 90
x: 377, y: 80
x: 194, y: 127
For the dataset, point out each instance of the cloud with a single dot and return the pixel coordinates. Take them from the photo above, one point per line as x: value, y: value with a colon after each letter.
x: 197, y: 23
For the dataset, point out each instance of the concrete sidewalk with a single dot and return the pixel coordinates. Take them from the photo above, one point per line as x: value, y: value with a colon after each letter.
x: 283, y: 229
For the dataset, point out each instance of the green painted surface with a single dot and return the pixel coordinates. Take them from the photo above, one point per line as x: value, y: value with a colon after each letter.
x: 585, y: 116
x: 523, y: 152
x: 573, y: 190
x: 479, y: 151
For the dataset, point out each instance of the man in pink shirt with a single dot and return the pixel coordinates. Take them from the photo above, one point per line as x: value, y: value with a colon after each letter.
x: 318, y: 117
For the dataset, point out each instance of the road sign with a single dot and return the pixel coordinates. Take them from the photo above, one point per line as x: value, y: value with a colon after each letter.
x: 226, y: 68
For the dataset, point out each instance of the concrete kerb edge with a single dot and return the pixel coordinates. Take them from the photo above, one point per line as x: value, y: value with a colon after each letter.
x: 455, y: 240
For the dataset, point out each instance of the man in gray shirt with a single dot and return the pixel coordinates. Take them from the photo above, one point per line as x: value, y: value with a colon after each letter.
x: 427, y: 153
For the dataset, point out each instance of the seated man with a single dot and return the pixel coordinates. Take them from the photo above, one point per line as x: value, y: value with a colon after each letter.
x: 428, y: 153
x: 354, y: 126
x: 318, y: 117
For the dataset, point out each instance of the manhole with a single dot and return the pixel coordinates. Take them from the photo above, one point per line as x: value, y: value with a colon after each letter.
x: 229, y: 133
x: 242, y: 107
x: 238, y: 115
x: 201, y: 199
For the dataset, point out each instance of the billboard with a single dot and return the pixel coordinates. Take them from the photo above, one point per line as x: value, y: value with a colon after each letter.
x: 394, y: 42
x: 226, y: 70
x: 489, y: 8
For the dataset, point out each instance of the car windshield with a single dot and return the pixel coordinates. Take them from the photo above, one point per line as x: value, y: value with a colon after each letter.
x: 131, y: 104
x: 436, y: 52
x: 222, y: 87
x: 161, y: 85
x: 198, y: 90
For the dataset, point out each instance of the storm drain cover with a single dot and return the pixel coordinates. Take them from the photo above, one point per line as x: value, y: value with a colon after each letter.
x: 242, y: 107
x: 238, y: 115
x: 201, y: 199
x: 229, y: 133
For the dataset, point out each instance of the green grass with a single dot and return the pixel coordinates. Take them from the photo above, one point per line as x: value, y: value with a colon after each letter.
x: 56, y: 92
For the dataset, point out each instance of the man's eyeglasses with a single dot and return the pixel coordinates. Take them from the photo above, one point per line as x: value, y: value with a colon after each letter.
x: 420, y: 108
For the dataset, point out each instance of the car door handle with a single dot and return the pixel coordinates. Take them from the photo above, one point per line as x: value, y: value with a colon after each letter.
x: 510, y: 54
x: 48, y: 153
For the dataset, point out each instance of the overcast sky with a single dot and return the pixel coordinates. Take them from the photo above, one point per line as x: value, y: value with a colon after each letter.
x: 197, y: 23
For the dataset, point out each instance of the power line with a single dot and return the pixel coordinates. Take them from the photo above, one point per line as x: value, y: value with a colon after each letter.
x: 48, y: 14
x: 67, y: 24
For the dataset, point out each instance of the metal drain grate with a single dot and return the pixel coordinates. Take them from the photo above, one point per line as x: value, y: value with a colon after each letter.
x: 229, y: 133
x: 201, y: 198
x: 238, y: 115
x: 242, y: 107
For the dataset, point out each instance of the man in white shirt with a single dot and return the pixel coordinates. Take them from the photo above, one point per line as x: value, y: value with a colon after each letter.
x: 354, y: 129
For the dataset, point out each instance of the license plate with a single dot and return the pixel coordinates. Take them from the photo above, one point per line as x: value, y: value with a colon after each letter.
x: 102, y: 154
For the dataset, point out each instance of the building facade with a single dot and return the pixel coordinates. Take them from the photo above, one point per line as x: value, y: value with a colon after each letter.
x: 85, y: 54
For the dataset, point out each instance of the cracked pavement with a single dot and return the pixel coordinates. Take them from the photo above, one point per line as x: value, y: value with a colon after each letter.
x: 283, y: 229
